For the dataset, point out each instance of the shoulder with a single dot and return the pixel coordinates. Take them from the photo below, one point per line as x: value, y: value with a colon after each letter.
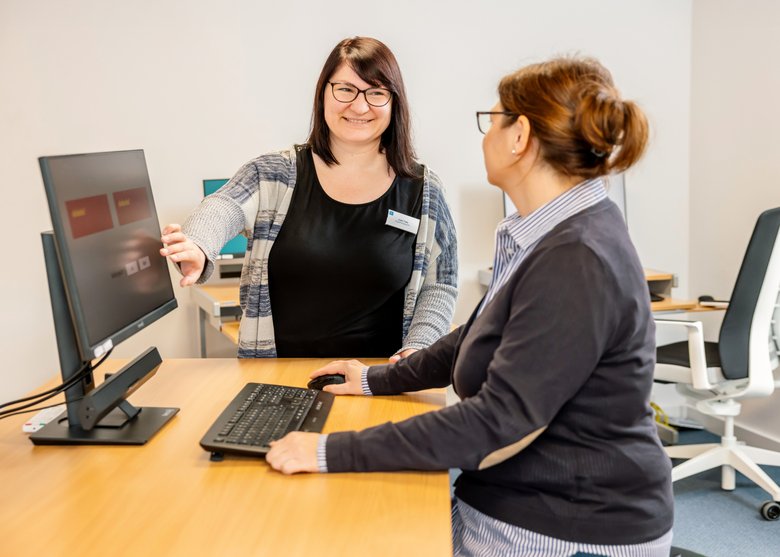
x: 434, y: 197
x: 273, y: 166
x: 590, y: 251
x: 599, y: 229
x: 432, y: 183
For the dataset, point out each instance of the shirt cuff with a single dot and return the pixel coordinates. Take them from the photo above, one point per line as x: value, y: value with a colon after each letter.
x: 322, y: 457
x: 364, y: 381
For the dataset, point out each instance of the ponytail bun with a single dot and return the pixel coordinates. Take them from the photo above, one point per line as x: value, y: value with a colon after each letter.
x: 615, y: 130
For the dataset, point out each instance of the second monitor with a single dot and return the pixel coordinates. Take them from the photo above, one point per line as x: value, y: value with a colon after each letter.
x: 235, y: 248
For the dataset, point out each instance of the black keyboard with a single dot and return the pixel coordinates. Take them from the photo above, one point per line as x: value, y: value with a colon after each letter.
x: 262, y: 413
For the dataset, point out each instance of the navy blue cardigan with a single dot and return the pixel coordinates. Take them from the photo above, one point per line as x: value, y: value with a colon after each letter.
x: 554, y: 432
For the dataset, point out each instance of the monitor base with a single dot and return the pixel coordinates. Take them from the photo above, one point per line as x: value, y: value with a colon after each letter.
x: 136, y: 431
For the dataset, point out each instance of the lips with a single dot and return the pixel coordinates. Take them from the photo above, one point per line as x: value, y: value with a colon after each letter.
x: 357, y: 120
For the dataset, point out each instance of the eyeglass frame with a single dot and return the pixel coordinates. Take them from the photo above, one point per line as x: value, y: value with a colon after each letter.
x: 489, y: 113
x: 364, y: 91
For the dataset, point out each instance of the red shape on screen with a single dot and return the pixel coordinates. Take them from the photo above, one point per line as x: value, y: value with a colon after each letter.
x: 88, y: 215
x: 132, y: 205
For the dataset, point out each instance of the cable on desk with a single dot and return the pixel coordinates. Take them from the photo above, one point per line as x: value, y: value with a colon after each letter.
x: 51, y: 393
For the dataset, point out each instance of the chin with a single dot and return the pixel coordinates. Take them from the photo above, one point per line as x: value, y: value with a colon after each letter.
x: 359, y: 136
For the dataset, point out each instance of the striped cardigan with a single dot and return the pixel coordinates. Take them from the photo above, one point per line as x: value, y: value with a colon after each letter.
x: 255, y: 202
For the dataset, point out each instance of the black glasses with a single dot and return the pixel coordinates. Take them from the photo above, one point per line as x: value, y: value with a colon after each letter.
x: 346, y: 93
x: 484, y: 119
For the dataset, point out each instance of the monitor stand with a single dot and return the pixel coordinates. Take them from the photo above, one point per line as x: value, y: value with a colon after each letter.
x: 132, y: 431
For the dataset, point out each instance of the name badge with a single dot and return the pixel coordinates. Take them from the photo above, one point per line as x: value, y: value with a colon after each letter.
x: 401, y: 221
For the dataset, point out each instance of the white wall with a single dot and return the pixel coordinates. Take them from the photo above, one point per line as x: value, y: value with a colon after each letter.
x: 735, y: 152
x: 203, y: 86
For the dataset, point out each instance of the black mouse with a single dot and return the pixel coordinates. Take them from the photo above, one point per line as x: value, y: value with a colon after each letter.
x: 319, y: 382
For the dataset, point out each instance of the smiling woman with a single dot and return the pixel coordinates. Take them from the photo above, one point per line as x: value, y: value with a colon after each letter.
x: 351, y: 246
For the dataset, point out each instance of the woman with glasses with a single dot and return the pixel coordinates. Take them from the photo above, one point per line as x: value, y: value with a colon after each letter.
x: 351, y: 246
x: 554, y: 433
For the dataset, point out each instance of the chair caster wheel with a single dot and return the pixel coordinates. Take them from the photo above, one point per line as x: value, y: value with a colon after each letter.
x: 770, y: 510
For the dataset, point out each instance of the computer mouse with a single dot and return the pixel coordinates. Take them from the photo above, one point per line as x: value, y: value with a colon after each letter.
x: 319, y: 382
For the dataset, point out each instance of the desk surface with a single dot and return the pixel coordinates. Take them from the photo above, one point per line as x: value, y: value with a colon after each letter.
x: 168, y: 498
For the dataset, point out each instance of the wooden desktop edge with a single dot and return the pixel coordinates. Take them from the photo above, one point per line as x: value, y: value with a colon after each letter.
x: 168, y: 498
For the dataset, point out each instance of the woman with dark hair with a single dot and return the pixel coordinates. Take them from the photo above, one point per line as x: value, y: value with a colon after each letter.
x: 554, y: 433
x: 351, y: 246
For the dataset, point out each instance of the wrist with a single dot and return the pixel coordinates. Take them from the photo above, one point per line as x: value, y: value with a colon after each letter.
x: 364, y: 382
x: 322, y: 456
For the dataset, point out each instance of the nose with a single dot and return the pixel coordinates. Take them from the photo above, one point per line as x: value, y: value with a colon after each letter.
x: 360, y: 104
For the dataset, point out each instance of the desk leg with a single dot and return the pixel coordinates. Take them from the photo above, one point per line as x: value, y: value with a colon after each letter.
x: 202, y: 317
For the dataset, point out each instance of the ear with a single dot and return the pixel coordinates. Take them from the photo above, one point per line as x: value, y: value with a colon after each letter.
x: 521, y: 133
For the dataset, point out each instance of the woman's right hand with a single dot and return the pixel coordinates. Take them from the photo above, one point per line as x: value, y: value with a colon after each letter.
x: 184, y: 252
x: 352, y: 370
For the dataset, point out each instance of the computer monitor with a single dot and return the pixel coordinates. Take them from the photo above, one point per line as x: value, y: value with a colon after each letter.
x: 107, y: 281
x: 235, y: 248
x: 616, y: 191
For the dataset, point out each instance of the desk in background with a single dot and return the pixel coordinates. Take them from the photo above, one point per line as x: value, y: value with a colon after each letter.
x: 658, y: 282
x: 167, y: 498
x: 218, y: 304
x: 218, y: 307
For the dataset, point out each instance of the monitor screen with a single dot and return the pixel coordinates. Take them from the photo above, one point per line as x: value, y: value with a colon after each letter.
x: 108, y: 240
x: 237, y: 246
x: 616, y: 190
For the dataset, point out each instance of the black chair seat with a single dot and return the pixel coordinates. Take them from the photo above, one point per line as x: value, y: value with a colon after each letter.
x: 676, y: 354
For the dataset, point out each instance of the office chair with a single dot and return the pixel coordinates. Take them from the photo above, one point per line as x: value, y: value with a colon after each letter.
x: 740, y: 365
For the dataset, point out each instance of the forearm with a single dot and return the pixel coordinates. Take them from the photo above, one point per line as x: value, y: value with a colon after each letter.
x: 212, y: 225
x: 432, y: 316
x: 425, y: 369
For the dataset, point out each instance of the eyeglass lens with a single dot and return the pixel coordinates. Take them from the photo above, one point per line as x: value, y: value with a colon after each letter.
x: 483, y: 122
x: 346, y: 93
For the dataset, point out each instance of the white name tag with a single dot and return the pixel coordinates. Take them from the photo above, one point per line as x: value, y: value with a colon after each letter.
x: 404, y: 222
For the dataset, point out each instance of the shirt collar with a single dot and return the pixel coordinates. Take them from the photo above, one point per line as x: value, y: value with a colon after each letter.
x: 526, y: 231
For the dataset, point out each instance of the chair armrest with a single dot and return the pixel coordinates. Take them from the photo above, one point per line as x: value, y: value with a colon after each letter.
x: 699, y: 378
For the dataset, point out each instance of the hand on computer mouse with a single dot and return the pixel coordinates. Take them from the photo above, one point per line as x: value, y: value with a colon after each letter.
x: 319, y: 383
x: 351, y: 370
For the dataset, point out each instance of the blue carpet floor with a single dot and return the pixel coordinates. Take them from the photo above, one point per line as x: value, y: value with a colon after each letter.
x: 719, y: 523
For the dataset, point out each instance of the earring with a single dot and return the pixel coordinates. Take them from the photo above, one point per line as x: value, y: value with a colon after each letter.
x: 514, y: 152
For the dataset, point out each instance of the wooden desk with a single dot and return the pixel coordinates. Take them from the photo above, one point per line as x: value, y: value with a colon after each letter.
x: 657, y: 281
x: 661, y: 283
x: 167, y: 498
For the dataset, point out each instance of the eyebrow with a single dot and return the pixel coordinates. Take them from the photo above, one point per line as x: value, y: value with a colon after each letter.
x: 356, y: 87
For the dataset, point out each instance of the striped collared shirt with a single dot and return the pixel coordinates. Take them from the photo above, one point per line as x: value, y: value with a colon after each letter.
x: 517, y: 236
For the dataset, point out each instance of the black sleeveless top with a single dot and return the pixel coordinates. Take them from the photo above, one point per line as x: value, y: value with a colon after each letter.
x: 337, y: 272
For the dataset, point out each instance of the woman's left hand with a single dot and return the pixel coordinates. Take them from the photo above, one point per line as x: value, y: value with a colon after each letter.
x: 403, y: 354
x: 293, y: 453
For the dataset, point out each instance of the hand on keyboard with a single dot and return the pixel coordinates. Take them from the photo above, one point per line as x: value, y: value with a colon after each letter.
x: 295, y: 452
x: 352, y: 370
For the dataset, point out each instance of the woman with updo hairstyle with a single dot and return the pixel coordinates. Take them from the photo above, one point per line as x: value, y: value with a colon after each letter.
x: 554, y: 433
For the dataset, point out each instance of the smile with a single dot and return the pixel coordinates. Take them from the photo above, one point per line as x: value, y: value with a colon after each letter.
x: 357, y: 121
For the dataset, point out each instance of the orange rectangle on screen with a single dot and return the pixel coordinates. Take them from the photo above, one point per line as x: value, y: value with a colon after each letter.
x: 88, y: 215
x: 132, y: 205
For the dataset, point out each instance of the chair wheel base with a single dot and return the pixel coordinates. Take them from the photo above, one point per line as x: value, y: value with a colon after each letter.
x: 770, y: 510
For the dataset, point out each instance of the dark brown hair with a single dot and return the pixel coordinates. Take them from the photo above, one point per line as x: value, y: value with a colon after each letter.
x: 583, y: 126
x: 376, y: 65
